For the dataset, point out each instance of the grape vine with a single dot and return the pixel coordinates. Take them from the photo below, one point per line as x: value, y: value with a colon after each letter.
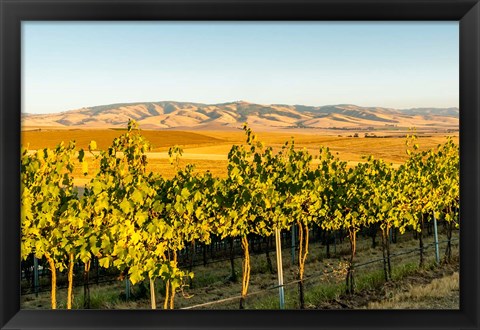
x: 138, y: 222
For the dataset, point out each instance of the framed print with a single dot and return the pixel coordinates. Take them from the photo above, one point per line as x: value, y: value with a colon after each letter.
x: 239, y: 164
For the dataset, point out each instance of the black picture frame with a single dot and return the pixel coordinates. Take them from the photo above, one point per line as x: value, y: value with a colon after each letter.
x: 13, y: 12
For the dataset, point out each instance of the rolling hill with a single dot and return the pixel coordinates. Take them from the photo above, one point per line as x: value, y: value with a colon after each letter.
x: 231, y: 115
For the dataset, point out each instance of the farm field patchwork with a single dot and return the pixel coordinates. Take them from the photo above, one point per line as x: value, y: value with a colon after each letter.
x: 208, y: 150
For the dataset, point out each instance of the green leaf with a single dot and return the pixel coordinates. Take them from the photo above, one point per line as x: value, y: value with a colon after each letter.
x: 104, y: 262
x: 126, y: 206
x: 92, y: 146
x: 85, y: 167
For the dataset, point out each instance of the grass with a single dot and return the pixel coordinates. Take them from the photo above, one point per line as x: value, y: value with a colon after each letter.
x: 441, y: 293
x: 101, y: 297
x: 400, y: 271
x: 332, y: 290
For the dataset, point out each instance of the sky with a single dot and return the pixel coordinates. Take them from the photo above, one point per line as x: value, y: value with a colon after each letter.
x: 70, y: 65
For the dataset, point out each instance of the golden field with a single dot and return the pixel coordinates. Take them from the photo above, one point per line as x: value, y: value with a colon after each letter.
x: 208, y: 150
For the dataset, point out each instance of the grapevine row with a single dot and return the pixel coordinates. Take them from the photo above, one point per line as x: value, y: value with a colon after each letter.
x: 137, y: 221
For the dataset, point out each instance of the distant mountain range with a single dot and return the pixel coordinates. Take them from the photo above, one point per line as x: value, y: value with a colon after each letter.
x: 187, y: 115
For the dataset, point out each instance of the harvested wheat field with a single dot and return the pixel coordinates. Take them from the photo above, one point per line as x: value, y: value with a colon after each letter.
x: 208, y: 150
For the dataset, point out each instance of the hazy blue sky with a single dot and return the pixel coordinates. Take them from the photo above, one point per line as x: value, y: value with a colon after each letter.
x: 69, y: 65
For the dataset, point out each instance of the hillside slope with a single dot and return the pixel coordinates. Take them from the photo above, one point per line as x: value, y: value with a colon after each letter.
x: 187, y: 115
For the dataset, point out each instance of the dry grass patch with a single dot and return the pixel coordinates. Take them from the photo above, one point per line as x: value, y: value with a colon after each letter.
x: 441, y: 293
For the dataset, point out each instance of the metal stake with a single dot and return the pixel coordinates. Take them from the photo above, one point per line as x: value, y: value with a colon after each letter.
x: 35, y: 275
x: 437, y: 253
x: 278, y: 244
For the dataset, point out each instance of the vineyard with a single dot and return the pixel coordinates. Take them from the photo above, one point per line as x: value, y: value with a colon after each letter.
x: 144, y: 226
